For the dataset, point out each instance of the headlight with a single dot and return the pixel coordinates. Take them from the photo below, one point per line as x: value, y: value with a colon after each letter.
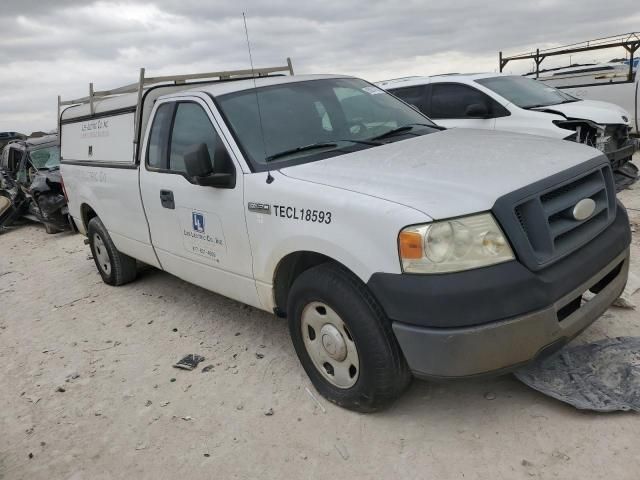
x: 453, y: 245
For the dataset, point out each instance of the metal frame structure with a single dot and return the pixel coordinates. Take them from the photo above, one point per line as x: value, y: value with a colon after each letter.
x: 145, y: 82
x: 629, y: 41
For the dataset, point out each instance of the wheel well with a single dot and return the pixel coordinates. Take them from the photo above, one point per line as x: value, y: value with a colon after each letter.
x: 290, y: 268
x: 87, y: 214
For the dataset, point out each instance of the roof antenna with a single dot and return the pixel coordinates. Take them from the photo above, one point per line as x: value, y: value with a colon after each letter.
x: 255, y: 89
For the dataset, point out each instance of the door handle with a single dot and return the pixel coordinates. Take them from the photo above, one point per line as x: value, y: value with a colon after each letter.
x: 166, y: 199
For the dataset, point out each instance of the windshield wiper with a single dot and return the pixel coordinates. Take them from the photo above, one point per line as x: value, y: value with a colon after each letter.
x: 529, y: 107
x: 304, y: 148
x: 363, y: 142
x: 403, y: 128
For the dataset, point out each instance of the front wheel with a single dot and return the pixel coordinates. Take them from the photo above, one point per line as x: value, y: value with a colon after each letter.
x: 114, y: 267
x: 344, y: 340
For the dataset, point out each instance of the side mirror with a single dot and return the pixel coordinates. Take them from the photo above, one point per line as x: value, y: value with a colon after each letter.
x: 477, y: 110
x: 197, y: 161
x: 200, y: 168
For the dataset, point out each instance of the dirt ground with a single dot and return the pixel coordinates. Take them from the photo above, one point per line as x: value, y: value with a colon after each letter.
x: 88, y: 391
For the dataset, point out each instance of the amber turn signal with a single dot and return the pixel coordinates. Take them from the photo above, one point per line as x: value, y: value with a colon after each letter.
x: 410, y: 245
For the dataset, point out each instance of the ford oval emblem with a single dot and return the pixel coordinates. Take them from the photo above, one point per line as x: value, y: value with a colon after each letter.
x: 584, y: 209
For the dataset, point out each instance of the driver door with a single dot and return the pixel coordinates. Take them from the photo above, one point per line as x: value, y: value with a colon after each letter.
x: 198, y: 232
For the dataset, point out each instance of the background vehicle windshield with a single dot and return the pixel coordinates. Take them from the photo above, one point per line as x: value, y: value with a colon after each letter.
x: 526, y: 92
x: 304, y: 113
x: 46, y: 157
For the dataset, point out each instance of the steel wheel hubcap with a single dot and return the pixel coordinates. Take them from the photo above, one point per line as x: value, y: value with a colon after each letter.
x: 330, y: 345
x: 102, y: 256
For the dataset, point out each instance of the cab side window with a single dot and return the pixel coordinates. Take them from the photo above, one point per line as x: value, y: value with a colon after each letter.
x: 191, y: 128
x: 159, y: 137
x: 452, y: 100
x: 416, y: 96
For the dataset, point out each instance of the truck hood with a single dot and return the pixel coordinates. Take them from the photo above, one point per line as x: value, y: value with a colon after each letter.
x: 599, y: 112
x: 450, y: 173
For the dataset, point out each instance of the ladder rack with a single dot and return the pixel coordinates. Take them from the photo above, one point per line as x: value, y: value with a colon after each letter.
x: 144, y: 82
x: 629, y: 41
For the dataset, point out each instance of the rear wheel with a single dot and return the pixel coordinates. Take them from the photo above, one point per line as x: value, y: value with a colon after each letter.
x: 114, y: 267
x: 344, y: 340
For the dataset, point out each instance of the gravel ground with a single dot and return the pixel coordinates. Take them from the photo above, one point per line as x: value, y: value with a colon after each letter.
x: 89, y: 392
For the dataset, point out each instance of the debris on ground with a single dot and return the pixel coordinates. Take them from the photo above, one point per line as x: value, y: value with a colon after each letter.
x: 342, y: 450
x: 189, y: 362
x: 602, y: 376
x: 313, y: 397
x: 633, y: 285
x: 208, y: 368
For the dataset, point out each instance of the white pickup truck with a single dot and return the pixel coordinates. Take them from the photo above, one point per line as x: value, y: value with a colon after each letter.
x: 391, y: 246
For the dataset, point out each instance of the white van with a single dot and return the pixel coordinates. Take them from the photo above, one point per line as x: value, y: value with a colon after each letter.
x: 392, y: 247
x: 513, y: 103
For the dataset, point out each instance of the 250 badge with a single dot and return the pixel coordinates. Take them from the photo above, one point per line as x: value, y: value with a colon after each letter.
x: 302, y: 214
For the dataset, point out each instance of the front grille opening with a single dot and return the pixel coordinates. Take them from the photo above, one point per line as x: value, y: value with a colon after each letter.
x: 566, y: 214
x: 576, y: 188
x: 581, y: 233
x: 542, y: 226
x: 607, y: 279
x: 569, y: 308
x: 580, y: 300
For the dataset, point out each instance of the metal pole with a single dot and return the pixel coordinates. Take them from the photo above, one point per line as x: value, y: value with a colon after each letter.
x: 500, y: 61
x: 537, y: 63
x: 58, y: 120
x: 138, y: 116
x: 290, y: 66
x: 91, y: 98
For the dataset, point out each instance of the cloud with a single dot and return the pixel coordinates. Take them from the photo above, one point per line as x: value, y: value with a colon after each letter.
x: 51, y: 48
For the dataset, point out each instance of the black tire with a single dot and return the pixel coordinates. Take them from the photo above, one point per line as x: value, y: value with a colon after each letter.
x: 383, y: 372
x: 121, y: 268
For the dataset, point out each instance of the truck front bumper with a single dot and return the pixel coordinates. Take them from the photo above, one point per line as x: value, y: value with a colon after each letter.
x: 499, y: 318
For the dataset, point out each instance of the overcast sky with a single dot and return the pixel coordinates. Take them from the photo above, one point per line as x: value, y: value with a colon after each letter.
x: 57, y: 47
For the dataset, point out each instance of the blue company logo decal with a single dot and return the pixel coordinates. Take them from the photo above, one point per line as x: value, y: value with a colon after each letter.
x: 197, y: 220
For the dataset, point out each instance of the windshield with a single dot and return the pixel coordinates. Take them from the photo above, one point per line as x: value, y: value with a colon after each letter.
x: 526, y: 92
x: 315, y: 119
x: 45, y: 158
